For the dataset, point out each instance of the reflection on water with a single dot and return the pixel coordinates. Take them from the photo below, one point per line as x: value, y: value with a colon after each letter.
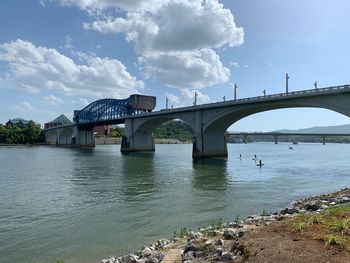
x: 138, y: 176
x: 210, y: 174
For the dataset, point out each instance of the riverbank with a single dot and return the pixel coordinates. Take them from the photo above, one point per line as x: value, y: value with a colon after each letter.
x: 102, y: 141
x: 315, y: 229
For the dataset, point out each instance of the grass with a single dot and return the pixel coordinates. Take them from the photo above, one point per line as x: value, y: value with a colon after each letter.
x: 184, y: 232
x: 331, y: 226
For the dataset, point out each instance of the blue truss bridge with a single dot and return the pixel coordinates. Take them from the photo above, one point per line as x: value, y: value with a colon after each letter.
x: 113, y: 111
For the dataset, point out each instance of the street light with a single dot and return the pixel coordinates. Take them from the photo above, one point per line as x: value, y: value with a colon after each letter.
x: 264, y: 92
x: 287, y: 78
x: 224, y: 98
x: 235, y: 87
x: 166, y: 103
x: 195, y: 98
x: 315, y: 84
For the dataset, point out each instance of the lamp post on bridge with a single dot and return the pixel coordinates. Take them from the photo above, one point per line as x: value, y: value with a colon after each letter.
x: 195, y: 98
x: 287, y: 78
x: 235, y: 87
x: 166, y: 102
x: 315, y: 84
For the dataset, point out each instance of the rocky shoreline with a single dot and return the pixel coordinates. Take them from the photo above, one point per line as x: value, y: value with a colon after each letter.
x: 220, y: 241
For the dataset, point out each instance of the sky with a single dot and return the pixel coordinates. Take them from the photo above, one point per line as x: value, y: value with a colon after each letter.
x: 60, y: 55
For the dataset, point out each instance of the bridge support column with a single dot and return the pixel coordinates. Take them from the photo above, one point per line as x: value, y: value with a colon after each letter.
x: 136, y: 141
x: 245, y: 139
x: 276, y: 139
x: 209, y: 145
x: 83, y: 137
x: 324, y: 140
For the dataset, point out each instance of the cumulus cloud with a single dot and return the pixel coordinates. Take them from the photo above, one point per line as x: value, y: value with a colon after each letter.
x: 93, y: 5
x: 33, y: 69
x: 187, y: 98
x: 52, y: 100
x: 177, y: 38
x: 176, y: 26
x: 186, y: 69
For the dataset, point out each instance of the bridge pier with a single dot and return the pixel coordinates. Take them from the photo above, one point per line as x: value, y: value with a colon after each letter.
x: 83, y: 137
x: 209, y: 145
x: 276, y: 139
x: 324, y: 140
x: 136, y: 141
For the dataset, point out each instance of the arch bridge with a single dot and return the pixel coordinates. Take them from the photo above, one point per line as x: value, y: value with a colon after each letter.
x: 208, y: 121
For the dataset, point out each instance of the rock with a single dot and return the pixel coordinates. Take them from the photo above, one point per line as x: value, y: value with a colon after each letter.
x: 229, y: 234
x: 226, y: 255
x: 146, y: 251
x: 312, y: 206
x: 288, y: 210
x: 162, y: 242
x: 152, y: 260
x: 241, y: 232
x: 344, y: 199
x: 160, y: 256
x: 189, y: 255
x: 218, y: 252
x: 232, y: 224
x: 190, y: 247
x: 195, y: 235
x: 111, y: 259
x: 198, y: 254
x: 219, y: 242
x: 131, y: 259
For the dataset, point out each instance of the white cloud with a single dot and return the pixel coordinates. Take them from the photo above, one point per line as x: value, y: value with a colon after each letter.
x: 186, y: 69
x: 177, y: 38
x: 92, y: 5
x: 69, y: 42
x: 234, y: 64
x: 187, y: 98
x: 52, y: 100
x: 270, y: 64
x: 176, y: 26
x: 33, y: 69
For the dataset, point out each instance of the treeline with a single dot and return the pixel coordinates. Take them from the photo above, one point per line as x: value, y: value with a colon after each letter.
x: 32, y: 134
x: 117, y: 132
x: 173, y: 130
x: 167, y: 130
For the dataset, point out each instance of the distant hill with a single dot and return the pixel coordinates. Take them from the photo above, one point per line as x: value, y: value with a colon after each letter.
x: 322, y: 129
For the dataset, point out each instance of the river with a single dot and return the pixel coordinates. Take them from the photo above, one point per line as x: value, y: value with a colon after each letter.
x: 82, y: 205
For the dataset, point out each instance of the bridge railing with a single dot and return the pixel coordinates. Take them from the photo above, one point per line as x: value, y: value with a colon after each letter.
x: 301, y: 92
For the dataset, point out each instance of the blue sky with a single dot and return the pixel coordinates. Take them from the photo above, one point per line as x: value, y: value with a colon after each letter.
x: 57, y: 56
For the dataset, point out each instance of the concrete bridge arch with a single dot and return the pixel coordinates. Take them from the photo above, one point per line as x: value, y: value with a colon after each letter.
x: 211, y: 121
x: 139, y: 131
x: 215, y: 127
